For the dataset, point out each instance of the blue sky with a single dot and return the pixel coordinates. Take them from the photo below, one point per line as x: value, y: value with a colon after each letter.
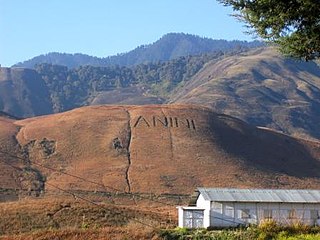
x: 105, y: 27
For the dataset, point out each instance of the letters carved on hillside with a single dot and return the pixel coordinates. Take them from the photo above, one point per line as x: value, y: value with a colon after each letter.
x: 165, y: 121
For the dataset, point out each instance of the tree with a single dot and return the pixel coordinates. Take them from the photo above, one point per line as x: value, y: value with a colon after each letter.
x: 294, y: 25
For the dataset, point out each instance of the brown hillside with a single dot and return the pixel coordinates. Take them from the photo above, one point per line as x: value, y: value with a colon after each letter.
x: 158, y: 149
x: 126, y: 96
x: 261, y: 88
x: 8, y: 175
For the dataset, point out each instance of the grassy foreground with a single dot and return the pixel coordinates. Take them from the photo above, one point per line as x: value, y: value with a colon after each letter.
x: 136, y: 231
x: 65, y: 218
x: 266, y: 231
x: 132, y: 231
x: 69, y: 219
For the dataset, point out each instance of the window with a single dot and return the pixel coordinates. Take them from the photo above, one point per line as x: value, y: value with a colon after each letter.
x: 229, y: 211
x: 267, y: 214
x: 245, y: 213
x: 292, y: 214
x: 217, y: 207
x: 193, y: 218
x: 314, y: 214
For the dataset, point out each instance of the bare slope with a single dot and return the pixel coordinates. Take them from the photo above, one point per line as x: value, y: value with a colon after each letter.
x: 126, y: 96
x: 261, y: 88
x: 158, y: 149
x: 8, y: 175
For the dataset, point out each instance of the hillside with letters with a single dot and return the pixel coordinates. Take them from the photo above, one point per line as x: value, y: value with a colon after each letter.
x: 163, y: 149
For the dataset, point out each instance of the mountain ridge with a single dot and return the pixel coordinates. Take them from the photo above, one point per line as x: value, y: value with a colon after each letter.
x: 168, y: 47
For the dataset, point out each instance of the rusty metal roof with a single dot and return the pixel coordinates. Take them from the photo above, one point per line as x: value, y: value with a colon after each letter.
x: 260, y: 195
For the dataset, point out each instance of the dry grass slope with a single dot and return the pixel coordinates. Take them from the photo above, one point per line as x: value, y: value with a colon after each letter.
x: 66, y: 218
x: 262, y: 88
x: 158, y: 149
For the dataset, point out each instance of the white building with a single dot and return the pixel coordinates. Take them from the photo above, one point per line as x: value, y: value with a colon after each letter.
x: 224, y: 207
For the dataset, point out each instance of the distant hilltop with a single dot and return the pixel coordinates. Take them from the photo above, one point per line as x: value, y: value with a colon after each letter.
x: 168, y: 47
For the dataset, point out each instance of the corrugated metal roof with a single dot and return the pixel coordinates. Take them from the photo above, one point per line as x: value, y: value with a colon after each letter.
x: 260, y: 195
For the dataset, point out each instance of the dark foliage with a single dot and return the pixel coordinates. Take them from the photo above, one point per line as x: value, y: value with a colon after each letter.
x: 70, y: 88
x: 294, y: 25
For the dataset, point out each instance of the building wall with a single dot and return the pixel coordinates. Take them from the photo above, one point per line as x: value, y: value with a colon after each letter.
x: 201, y: 203
x: 180, y: 217
x: 225, y: 214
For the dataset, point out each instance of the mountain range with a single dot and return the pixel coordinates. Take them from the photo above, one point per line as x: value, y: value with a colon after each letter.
x: 168, y: 47
x: 258, y: 85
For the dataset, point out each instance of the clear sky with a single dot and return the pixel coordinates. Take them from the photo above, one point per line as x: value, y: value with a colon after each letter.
x: 105, y: 27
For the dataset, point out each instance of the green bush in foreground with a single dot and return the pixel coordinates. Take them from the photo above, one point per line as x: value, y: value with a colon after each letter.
x: 265, y: 231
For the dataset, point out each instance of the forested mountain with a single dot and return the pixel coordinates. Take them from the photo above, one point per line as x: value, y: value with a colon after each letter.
x: 144, y: 83
x: 170, y: 46
x: 174, y: 45
x: 64, y: 59
x: 67, y: 88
